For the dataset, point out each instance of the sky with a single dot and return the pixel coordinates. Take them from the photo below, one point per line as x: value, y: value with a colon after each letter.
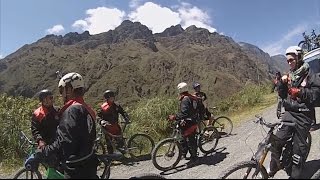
x: 272, y: 25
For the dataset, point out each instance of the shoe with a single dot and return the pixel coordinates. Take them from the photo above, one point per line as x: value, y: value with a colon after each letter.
x: 192, y: 162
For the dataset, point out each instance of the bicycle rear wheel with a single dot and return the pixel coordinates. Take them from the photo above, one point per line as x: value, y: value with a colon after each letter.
x: 224, y: 125
x: 304, y: 46
x: 166, y: 154
x: 208, y: 140
x: 140, y: 146
x: 23, y: 173
x: 244, y: 170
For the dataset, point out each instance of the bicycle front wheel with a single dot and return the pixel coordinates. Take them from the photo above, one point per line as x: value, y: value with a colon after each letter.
x: 167, y: 154
x: 208, y: 140
x: 224, y: 125
x: 244, y: 170
x: 23, y: 173
x: 140, y: 145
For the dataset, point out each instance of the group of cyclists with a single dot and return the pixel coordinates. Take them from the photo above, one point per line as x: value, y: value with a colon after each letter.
x: 66, y: 135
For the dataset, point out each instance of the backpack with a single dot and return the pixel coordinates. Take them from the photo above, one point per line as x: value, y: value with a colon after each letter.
x: 198, y: 107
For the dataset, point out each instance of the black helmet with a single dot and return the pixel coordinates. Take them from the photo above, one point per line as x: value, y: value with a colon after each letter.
x: 108, y: 93
x: 44, y: 93
x: 195, y: 85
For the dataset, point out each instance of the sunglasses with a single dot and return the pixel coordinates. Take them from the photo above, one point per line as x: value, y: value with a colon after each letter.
x: 290, y: 60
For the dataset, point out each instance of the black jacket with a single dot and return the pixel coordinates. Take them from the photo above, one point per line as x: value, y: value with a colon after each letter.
x: 44, y: 124
x: 110, y: 112
x: 76, y: 133
x: 303, y: 108
x: 187, y: 109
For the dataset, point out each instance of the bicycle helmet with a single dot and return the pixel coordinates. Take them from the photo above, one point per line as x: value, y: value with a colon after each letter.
x: 195, y: 85
x: 294, y: 50
x: 44, y: 93
x: 73, y: 78
x: 182, y: 87
x: 108, y: 93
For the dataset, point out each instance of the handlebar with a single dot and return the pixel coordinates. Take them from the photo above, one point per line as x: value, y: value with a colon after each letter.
x: 262, y: 121
x: 24, y: 137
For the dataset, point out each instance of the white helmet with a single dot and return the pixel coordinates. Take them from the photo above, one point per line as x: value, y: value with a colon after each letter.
x: 294, y: 50
x: 182, y: 87
x: 73, y: 78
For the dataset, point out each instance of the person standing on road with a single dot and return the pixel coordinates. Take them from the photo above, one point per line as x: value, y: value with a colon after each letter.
x: 303, y: 93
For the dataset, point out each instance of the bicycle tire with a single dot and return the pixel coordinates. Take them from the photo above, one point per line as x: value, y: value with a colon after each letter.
x: 316, y: 175
x: 304, y: 46
x: 213, y: 135
x: 156, y: 149
x: 148, y: 176
x: 23, y: 170
x: 133, y: 143
x: 220, y: 123
x: 242, y: 165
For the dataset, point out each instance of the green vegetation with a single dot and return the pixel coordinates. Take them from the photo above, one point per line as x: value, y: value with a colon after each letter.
x: 147, y: 116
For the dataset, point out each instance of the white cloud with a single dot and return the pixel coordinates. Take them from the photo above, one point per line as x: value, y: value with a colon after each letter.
x: 1, y: 56
x: 135, y: 3
x: 194, y: 16
x: 158, y: 18
x: 57, y: 29
x: 100, y: 20
x: 155, y: 17
x: 287, y: 40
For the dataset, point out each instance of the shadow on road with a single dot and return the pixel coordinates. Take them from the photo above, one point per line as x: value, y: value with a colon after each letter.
x: 311, y: 167
x: 131, y: 161
x: 210, y: 159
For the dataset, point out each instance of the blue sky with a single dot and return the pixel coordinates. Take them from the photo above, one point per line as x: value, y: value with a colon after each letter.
x: 272, y: 25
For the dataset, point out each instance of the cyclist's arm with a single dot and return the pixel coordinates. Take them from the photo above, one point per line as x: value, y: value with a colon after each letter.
x: 123, y: 113
x: 67, y: 133
x: 35, y: 129
x: 311, y: 95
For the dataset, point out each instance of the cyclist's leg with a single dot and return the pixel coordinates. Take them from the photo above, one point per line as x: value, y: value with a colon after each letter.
x: 283, y: 133
x: 300, y: 150
x: 109, y: 144
x: 209, y: 117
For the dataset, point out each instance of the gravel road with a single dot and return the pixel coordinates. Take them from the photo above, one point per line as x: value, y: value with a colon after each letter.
x: 230, y: 150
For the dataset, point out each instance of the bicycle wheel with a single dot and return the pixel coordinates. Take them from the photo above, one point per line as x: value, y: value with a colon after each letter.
x: 148, y: 176
x: 244, y: 170
x: 23, y: 173
x: 167, y: 154
x: 316, y: 175
x: 208, y: 140
x: 140, y: 145
x: 224, y: 125
x: 304, y: 46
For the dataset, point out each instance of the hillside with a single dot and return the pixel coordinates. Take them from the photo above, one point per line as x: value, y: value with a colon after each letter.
x: 135, y: 63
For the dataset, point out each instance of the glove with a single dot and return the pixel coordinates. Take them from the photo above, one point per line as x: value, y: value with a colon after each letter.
x: 41, y: 144
x: 284, y: 79
x: 172, y: 117
x: 294, y: 92
x: 104, y: 123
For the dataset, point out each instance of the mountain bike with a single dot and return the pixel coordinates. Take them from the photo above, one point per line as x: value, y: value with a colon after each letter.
x: 223, y: 124
x: 32, y: 171
x: 255, y: 168
x: 137, y: 145
x: 168, y: 152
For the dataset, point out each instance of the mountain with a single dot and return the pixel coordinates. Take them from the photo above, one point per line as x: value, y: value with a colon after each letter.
x: 270, y: 64
x: 135, y: 62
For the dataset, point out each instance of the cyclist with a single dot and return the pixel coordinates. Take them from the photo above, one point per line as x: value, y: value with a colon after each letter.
x: 76, y: 132
x: 187, y: 117
x: 304, y: 89
x: 109, y: 114
x: 45, y: 119
x: 204, y: 112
